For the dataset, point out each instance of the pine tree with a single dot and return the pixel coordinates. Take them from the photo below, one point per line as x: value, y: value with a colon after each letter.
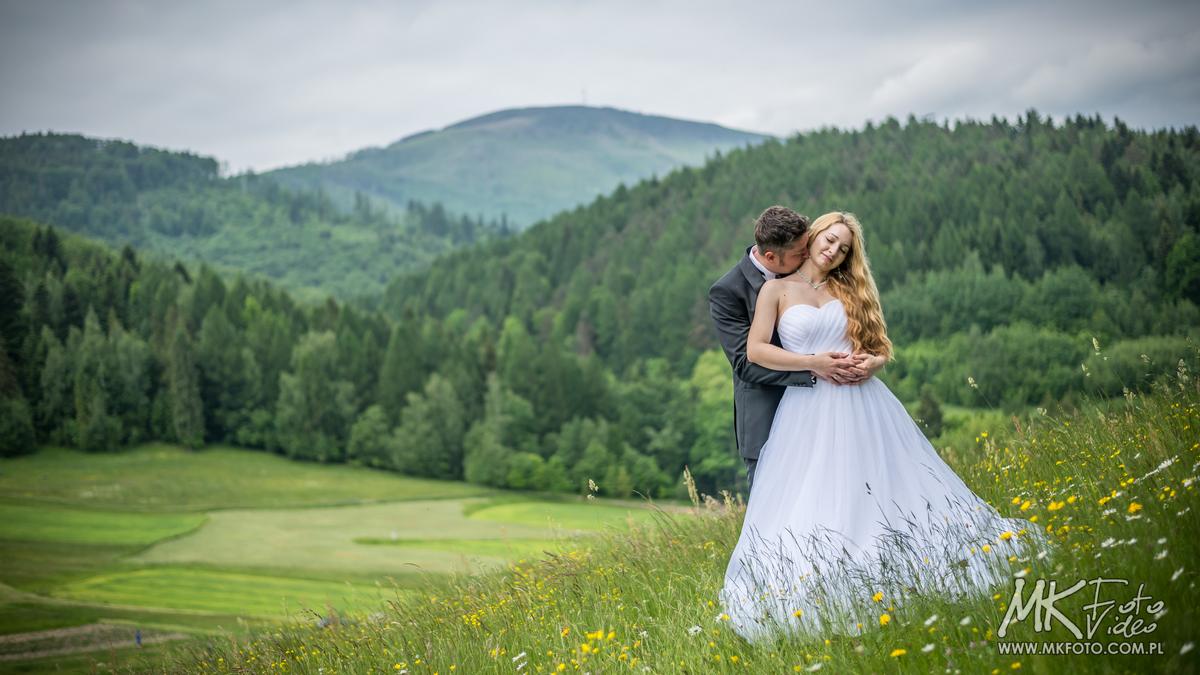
x: 183, y: 383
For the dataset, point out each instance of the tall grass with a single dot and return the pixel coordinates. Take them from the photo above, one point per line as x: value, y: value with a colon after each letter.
x: 1112, y: 487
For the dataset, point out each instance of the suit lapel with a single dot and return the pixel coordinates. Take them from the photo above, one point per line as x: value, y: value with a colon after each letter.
x: 753, y: 276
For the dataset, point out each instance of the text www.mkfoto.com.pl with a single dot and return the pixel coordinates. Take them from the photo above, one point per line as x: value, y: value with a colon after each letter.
x: 1074, y: 648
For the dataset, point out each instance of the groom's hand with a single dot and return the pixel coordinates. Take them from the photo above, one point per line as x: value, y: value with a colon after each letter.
x: 833, y: 367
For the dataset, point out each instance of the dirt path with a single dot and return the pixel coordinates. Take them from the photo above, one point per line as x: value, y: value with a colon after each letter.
x: 77, y: 639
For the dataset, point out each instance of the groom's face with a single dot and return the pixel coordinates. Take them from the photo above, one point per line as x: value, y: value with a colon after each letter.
x: 788, y: 260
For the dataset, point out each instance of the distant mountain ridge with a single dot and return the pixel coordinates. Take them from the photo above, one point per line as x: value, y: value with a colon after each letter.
x: 522, y: 164
x: 176, y: 204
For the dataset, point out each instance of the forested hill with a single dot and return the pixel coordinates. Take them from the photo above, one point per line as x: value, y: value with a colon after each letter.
x: 176, y: 205
x: 581, y: 350
x: 524, y: 164
x: 999, y: 248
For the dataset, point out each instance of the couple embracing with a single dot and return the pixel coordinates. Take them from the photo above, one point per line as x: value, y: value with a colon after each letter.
x: 848, y: 499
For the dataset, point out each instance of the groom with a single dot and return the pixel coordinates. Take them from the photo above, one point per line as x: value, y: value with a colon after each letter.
x: 781, y: 236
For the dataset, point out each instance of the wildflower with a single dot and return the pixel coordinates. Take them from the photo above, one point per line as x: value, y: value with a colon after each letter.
x: 878, y: 596
x: 898, y: 652
x: 722, y: 617
x: 971, y: 382
x: 1054, y: 506
x: 966, y: 621
x: 1071, y: 499
x: 565, y: 631
x: 931, y: 619
x: 885, y: 619
x: 1006, y: 535
x: 694, y: 630
x: 1134, y: 507
x: 1176, y: 574
x: 518, y: 656
x: 986, y: 548
x: 798, y: 613
x: 927, y: 648
x: 1016, y: 665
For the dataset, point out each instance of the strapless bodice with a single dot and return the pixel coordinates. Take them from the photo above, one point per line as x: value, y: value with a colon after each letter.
x: 806, y: 329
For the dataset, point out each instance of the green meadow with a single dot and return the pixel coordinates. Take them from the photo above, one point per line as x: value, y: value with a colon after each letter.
x: 1112, y: 485
x: 222, y: 541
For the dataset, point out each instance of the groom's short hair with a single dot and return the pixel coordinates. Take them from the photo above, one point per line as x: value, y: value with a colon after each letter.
x: 777, y: 227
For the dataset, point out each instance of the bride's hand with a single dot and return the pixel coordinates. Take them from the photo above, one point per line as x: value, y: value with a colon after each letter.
x: 864, y: 366
x: 833, y: 367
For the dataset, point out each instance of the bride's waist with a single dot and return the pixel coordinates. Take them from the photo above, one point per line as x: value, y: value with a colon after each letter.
x: 819, y: 349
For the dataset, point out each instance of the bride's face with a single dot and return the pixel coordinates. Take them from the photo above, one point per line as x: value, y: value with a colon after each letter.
x: 829, y: 248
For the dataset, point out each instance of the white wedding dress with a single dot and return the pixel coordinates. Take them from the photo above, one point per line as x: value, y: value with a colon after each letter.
x: 850, y: 499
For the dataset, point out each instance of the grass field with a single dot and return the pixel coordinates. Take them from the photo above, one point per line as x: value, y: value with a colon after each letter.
x: 43, y: 522
x: 160, y: 478
x: 323, y: 539
x: 219, y: 541
x: 228, y: 593
x: 1113, y: 487
x: 570, y: 517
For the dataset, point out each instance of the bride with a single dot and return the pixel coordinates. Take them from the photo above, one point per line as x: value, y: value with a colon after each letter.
x: 850, y: 499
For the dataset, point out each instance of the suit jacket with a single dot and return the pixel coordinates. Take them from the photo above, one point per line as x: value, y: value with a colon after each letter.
x: 756, y: 390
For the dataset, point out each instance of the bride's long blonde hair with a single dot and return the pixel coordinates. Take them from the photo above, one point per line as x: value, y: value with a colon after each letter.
x: 852, y: 283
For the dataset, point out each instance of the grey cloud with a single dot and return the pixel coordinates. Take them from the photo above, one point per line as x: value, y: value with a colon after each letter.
x: 267, y: 84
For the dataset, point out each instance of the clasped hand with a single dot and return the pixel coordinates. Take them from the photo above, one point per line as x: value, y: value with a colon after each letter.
x: 844, y: 368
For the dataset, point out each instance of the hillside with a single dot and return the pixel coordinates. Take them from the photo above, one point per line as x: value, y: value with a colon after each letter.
x: 1001, y: 249
x: 522, y: 165
x: 648, y: 600
x: 1022, y: 265
x: 175, y: 205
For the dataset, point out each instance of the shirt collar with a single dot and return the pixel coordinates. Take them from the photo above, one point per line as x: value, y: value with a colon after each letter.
x: 767, y: 274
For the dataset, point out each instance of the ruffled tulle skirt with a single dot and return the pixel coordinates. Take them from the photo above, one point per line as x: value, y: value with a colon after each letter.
x: 850, y: 500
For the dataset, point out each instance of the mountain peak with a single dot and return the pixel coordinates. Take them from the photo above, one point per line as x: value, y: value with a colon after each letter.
x: 522, y: 163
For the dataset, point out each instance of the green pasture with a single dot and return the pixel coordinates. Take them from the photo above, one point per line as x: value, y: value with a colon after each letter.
x: 508, y: 549
x: 229, y: 593
x: 323, y: 539
x: 565, y: 517
x: 1112, y: 488
x: 28, y: 522
x: 221, y: 541
x: 157, y: 477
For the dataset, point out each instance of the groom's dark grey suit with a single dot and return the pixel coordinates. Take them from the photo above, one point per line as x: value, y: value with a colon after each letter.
x: 756, y: 390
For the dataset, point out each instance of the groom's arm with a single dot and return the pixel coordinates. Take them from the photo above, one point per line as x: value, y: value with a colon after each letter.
x: 733, y: 326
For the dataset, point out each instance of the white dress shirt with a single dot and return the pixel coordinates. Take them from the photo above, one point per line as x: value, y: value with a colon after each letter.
x: 767, y: 274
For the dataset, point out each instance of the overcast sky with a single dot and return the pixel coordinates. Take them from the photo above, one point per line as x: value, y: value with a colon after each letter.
x: 267, y: 84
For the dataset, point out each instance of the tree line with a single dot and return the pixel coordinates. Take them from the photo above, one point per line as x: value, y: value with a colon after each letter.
x: 582, y: 348
x: 178, y: 205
